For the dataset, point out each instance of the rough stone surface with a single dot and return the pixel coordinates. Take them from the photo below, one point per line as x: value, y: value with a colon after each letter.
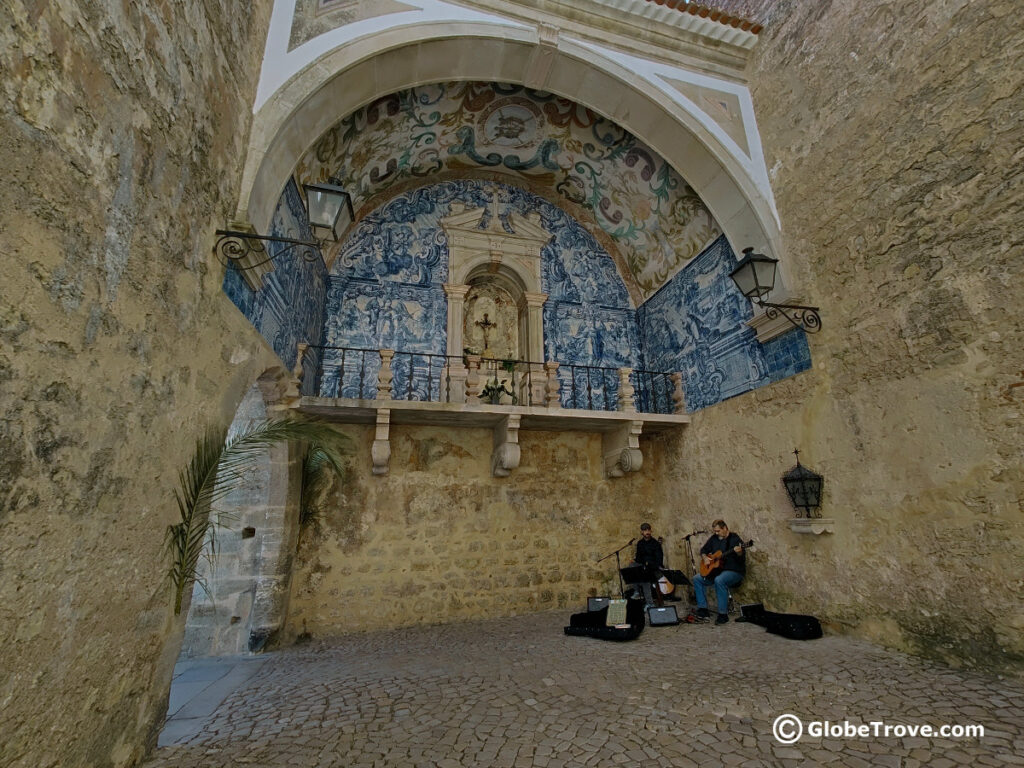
x: 441, y: 534
x: 517, y: 692
x: 894, y: 139
x: 122, y: 135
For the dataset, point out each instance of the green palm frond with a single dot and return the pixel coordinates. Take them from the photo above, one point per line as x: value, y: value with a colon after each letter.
x: 218, y: 466
x: 318, y: 469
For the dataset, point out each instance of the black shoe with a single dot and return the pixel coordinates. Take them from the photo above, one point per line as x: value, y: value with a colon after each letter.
x: 722, y: 618
x: 702, y: 613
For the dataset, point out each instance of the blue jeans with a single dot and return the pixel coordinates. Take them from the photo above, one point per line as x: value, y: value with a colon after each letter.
x: 722, y: 582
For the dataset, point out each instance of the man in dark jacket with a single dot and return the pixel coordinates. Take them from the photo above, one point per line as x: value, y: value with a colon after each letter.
x: 649, y: 555
x: 733, y: 569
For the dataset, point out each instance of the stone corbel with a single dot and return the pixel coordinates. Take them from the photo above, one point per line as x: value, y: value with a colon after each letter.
x: 380, y: 452
x: 815, y: 525
x: 621, y: 449
x: 505, y: 456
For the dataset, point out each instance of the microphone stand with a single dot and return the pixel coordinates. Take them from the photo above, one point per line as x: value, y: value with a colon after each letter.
x: 618, y: 565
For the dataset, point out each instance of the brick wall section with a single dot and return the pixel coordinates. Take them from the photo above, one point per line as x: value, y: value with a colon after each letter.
x: 122, y: 134
x: 893, y: 137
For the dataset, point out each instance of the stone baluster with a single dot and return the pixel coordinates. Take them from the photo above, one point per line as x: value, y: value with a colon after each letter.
x: 626, y: 390
x: 386, y: 375
x: 293, y: 390
x: 554, y: 388
x: 472, y: 378
x: 678, y: 398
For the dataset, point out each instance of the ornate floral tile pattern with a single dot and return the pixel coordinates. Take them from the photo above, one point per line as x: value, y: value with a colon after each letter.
x: 654, y: 218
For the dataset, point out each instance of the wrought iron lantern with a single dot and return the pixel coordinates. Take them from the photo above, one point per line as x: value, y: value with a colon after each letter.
x: 804, y: 488
x: 755, y: 278
x: 329, y: 208
x: 329, y: 211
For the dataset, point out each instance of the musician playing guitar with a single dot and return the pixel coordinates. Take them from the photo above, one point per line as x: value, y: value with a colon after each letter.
x: 726, y: 548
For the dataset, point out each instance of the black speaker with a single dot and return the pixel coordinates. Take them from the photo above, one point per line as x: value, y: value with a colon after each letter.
x: 597, y: 603
x: 662, y: 617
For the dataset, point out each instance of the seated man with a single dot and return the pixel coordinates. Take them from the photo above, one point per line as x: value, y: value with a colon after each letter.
x: 733, y: 567
x: 649, y: 555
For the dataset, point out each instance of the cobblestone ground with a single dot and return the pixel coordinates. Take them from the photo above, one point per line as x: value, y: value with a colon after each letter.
x: 516, y: 692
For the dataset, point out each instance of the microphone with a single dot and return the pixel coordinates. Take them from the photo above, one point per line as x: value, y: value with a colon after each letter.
x: 631, y: 541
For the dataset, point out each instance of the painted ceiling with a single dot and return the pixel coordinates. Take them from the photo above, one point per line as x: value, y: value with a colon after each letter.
x: 638, y: 206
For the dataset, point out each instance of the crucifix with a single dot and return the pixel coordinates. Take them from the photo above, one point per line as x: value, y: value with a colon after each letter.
x: 486, y: 326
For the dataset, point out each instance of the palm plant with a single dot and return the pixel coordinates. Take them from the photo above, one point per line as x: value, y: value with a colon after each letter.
x: 319, y: 468
x: 218, y: 466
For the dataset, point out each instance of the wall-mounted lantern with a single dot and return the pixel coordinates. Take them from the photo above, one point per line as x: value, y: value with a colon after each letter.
x: 330, y: 214
x: 755, y: 278
x: 804, y: 486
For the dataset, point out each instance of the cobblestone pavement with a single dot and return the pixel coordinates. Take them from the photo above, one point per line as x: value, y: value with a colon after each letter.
x: 516, y: 692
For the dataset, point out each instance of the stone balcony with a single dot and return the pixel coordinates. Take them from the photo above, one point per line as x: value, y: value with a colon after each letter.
x: 503, y: 396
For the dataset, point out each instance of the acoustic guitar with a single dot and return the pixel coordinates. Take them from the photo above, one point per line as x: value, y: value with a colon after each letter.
x: 711, y: 569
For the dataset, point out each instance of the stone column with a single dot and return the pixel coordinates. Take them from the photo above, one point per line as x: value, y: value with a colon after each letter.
x: 534, y: 344
x: 455, y: 371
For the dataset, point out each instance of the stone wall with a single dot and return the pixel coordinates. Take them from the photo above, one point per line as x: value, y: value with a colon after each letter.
x: 439, y: 539
x: 894, y: 138
x: 121, y: 141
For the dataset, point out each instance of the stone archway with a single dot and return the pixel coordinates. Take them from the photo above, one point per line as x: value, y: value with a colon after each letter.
x: 301, y: 110
x: 247, y: 580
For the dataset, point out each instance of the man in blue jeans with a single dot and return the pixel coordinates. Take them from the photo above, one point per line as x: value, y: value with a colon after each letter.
x: 733, y: 568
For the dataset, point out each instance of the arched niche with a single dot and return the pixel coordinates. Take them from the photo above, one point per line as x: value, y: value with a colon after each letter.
x: 356, y: 72
x: 508, y: 261
x: 494, y: 316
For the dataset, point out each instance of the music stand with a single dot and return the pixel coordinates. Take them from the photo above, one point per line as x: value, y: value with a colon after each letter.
x: 639, y: 574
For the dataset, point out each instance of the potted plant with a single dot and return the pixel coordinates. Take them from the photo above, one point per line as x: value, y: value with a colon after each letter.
x: 493, y: 392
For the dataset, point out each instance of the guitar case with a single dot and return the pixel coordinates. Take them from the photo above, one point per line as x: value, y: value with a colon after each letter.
x: 593, y: 623
x: 794, y: 626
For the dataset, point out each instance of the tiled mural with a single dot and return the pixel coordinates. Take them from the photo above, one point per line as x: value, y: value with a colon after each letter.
x: 697, y: 324
x: 289, y: 308
x: 386, y: 290
x: 656, y: 220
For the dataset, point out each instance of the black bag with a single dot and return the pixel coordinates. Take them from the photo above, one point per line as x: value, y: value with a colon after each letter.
x: 795, y: 626
x: 592, y: 623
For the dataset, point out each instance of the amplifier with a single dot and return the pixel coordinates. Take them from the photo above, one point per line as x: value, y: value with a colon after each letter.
x: 597, y: 603
x: 662, y: 617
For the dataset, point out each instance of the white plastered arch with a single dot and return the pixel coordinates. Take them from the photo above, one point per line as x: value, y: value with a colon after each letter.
x: 357, y: 72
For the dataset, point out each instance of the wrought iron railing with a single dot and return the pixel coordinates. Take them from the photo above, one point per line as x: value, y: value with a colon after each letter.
x: 361, y: 373
x: 653, y: 391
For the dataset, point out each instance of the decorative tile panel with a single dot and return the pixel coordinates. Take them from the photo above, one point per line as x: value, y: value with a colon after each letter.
x: 633, y: 195
x: 696, y: 324
x: 289, y: 307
